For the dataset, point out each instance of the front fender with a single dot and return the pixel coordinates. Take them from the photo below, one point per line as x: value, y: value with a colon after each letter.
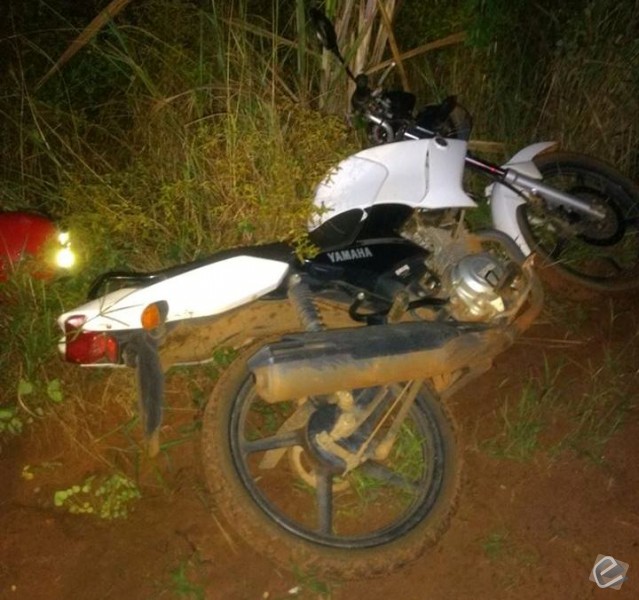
x: 505, y: 202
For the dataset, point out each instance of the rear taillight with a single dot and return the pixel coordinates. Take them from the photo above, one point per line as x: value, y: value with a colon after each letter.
x: 88, y: 347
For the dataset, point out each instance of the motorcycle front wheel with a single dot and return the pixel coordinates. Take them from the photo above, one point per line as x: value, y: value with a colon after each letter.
x: 290, y: 500
x: 599, y: 254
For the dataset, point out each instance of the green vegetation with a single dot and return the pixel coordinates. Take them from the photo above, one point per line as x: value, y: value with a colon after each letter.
x: 493, y: 544
x: 174, y: 134
x: 107, y: 497
x: 579, y: 416
x: 599, y: 412
x: 523, y: 422
x: 29, y: 342
x: 561, y: 71
x: 406, y: 459
x: 181, y: 584
x: 309, y: 583
x: 508, y: 556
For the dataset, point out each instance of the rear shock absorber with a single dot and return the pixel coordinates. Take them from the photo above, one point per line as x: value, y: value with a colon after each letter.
x: 300, y: 295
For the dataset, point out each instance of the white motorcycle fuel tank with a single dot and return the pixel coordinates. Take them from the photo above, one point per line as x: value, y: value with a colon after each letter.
x: 425, y: 174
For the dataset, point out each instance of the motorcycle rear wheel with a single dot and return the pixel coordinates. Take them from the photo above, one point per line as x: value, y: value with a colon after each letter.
x: 601, y: 255
x: 374, y: 519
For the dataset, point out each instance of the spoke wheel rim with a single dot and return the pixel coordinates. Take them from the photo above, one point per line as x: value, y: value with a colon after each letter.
x: 324, y: 527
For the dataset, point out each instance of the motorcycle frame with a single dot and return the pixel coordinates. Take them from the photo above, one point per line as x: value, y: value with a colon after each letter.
x: 397, y: 178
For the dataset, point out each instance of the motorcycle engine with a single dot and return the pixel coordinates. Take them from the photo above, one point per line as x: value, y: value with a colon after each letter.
x: 475, y: 288
x: 481, y: 285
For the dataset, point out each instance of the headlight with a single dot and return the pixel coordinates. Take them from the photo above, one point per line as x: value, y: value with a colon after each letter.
x: 64, y: 256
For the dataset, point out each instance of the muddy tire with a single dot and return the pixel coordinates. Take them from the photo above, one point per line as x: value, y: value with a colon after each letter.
x: 380, y: 515
x: 600, y: 255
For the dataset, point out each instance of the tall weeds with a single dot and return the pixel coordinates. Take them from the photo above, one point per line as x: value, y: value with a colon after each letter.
x: 202, y: 148
x: 199, y: 145
x: 590, y: 94
x: 548, y: 70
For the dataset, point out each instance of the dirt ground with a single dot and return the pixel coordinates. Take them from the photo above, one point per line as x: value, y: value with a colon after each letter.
x: 535, y: 511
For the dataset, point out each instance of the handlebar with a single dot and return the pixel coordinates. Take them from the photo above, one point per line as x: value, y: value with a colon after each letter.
x: 369, y: 105
x: 390, y: 114
x: 383, y: 123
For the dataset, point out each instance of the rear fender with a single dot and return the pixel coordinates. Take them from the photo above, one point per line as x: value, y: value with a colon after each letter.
x: 201, y: 292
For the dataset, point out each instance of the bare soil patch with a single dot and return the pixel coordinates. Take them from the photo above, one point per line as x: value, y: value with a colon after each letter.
x: 534, y: 511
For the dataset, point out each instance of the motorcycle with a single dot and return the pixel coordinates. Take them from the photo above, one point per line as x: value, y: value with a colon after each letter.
x: 327, y: 442
x: 599, y: 251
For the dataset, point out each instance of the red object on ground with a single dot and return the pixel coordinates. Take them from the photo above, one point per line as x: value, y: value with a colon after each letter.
x: 22, y: 233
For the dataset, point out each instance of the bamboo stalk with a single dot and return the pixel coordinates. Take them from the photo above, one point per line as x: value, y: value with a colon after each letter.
x: 86, y: 35
x: 393, y: 43
x: 450, y: 40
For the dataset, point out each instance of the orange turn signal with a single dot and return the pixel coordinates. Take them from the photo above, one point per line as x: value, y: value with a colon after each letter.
x: 154, y: 315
